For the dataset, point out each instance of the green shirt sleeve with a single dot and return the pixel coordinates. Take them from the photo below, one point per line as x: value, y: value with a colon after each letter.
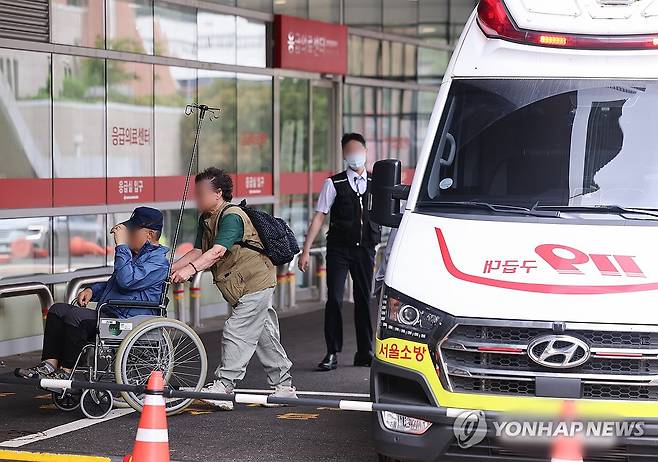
x: 230, y: 231
x: 198, y: 242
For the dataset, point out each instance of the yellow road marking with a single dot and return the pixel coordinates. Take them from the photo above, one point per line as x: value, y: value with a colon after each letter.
x: 48, y: 407
x: 197, y: 411
x: 5, y: 394
x: 297, y: 416
x: 48, y: 396
x: 48, y: 457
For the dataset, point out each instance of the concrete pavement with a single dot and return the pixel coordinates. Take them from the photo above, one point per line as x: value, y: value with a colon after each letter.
x: 201, y: 433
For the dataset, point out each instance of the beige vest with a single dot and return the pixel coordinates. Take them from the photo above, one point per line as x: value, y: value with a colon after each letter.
x: 240, y: 271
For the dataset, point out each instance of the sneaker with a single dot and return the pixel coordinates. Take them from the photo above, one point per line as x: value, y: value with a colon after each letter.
x: 40, y: 371
x: 282, y: 391
x: 218, y: 387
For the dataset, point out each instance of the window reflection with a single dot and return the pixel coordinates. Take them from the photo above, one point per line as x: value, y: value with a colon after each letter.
x: 187, y: 231
x: 260, y: 5
x: 433, y: 20
x: 79, y: 120
x: 78, y: 22
x: 79, y: 241
x: 217, y: 37
x: 254, y: 135
x: 175, y: 87
x: 365, y: 13
x: 129, y: 131
x: 400, y: 17
x: 324, y: 10
x: 217, y: 146
x: 25, y: 246
x: 297, y: 8
x: 130, y: 25
x: 432, y: 65
x: 25, y: 108
x: 175, y: 31
x: 251, y: 42
x: 294, y: 125
x: 25, y: 118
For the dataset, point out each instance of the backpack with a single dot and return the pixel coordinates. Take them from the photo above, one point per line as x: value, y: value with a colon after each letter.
x: 279, y: 242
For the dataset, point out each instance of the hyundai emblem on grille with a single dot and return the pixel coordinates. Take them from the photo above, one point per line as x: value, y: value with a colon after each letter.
x: 558, y: 351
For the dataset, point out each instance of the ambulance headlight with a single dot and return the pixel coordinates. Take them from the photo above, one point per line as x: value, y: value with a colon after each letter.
x: 409, y: 315
x: 404, y: 424
x: 401, y: 314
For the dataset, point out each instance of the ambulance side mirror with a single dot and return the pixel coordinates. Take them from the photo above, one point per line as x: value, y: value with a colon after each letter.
x: 386, y: 192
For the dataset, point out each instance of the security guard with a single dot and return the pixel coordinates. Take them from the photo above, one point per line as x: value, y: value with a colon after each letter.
x: 351, y: 242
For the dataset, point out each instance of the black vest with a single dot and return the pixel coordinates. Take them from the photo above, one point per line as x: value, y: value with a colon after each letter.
x: 349, y: 221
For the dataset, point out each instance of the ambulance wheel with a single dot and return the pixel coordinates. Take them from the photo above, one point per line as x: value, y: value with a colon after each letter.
x: 67, y: 403
x: 96, y: 404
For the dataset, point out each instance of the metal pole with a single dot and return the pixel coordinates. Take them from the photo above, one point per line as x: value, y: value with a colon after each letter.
x: 195, y: 300
x: 202, y: 112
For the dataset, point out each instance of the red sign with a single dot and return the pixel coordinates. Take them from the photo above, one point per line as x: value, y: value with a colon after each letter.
x: 307, y: 45
x: 254, y: 184
x: 130, y: 189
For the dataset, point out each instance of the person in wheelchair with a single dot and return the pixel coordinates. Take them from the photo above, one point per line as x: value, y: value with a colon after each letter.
x: 140, y: 270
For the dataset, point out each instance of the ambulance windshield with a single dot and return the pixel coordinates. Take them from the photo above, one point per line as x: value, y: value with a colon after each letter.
x: 522, y: 143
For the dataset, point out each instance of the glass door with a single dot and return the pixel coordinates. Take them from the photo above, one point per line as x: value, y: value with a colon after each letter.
x: 307, y: 152
x: 324, y: 143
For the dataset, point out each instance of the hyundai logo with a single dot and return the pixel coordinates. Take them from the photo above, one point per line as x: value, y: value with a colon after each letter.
x: 558, y: 351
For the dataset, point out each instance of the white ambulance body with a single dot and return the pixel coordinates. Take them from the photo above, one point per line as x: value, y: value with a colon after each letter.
x: 525, y: 268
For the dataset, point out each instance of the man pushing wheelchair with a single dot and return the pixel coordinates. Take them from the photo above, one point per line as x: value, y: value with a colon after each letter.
x: 140, y: 270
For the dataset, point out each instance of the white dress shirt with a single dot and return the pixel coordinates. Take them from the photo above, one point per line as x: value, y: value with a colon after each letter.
x: 359, y: 184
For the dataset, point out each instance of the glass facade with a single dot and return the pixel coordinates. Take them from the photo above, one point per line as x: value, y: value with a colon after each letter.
x: 90, y: 134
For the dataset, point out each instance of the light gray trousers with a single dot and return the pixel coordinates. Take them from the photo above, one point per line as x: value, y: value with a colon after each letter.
x: 253, y: 327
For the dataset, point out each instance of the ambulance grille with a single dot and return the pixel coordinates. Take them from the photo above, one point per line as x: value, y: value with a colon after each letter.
x: 493, y: 359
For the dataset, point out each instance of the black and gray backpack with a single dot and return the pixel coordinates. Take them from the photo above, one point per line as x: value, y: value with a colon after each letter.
x: 279, y: 242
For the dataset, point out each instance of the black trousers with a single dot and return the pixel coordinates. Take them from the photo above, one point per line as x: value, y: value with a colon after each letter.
x: 359, y: 262
x: 68, y: 329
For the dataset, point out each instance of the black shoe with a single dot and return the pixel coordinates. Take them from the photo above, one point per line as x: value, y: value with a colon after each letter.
x: 329, y: 363
x: 363, y: 359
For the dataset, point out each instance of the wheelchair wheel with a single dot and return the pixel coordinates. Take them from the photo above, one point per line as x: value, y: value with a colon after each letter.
x: 67, y: 402
x: 96, y: 404
x: 167, y: 345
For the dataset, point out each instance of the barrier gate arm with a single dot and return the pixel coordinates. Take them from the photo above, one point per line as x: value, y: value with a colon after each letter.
x: 430, y: 413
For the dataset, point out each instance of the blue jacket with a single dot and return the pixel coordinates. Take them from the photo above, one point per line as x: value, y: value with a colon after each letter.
x: 136, y: 277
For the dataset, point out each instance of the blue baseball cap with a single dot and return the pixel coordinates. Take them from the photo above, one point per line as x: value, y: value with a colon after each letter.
x: 145, y: 217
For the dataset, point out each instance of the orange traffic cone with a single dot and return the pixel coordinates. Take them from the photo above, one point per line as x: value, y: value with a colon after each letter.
x: 152, y: 441
x: 566, y: 448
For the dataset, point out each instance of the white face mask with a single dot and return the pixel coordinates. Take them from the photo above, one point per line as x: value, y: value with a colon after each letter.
x: 355, y: 160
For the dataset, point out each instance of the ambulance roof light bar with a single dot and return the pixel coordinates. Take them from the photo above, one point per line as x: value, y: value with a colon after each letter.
x: 495, y: 22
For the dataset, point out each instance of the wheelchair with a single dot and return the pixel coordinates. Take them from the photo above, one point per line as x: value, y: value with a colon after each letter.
x: 126, y: 350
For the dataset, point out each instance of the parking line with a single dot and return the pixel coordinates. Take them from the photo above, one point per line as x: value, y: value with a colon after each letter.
x: 48, y: 457
x: 61, y: 430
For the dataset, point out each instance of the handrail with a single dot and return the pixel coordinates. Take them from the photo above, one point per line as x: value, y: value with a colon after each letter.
x: 40, y: 290
x: 75, y: 285
x: 58, y: 278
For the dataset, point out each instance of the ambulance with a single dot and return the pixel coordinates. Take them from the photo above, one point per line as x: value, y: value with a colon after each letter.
x: 524, y: 273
